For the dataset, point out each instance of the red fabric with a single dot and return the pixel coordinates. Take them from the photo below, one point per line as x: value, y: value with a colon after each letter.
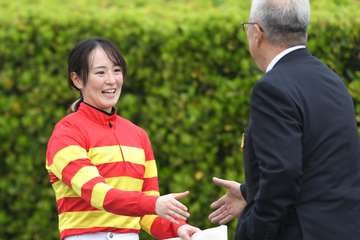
x: 151, y: 184
x: 162, y: 228
x: 86, y: 190
x: 53, y: 178
x: 71, y: 169
x: 130, y: 204
x: 115, y: 169
x: 73, y: 204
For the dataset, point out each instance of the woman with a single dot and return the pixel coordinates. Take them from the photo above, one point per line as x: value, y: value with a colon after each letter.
x: 101, y: 165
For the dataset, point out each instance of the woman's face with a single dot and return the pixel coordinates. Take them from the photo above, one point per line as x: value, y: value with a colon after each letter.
x: 104, y: 83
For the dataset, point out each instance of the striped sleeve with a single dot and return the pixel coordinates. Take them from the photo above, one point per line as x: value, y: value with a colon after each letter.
x: 156, y: 226
x: 67, y: 159
x: 151, y: 185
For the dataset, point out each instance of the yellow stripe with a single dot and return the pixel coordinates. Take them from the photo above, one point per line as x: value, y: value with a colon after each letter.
x: 61, y: 190
x: 146, y: 222
x: 98, y: 194
x: 150, y: 169
x: 88, y: 219
x: 110, y: 154
x: 63, y: 157
x: 121, y: 183
x: 152, y: 193
x: 82, y: 176
x: 134, y: 155
x: 126, y: 183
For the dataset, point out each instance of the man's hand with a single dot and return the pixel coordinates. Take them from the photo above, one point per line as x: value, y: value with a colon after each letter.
x: 170, y: 208
x: 186, y: 231
x: 230, y: 205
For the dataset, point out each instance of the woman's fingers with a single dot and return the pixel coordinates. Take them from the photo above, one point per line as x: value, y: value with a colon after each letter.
x: 178, y: 205
x: 180, y: 195
x: 171, y: 209
x: 171, y: 219
x: 183, y: 214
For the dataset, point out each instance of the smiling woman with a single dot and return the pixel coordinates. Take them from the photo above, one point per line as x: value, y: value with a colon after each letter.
x: 101, y: 166
x: 97, y: 69
x: 104, y: 84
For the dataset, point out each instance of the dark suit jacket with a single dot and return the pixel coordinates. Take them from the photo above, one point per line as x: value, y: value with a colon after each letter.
x: 302, y: 156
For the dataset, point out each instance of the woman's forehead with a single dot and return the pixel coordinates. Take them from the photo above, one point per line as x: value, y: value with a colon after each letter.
x: 98, y: 56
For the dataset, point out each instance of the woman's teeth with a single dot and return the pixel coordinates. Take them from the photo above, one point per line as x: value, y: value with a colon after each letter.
x: 109, y: 91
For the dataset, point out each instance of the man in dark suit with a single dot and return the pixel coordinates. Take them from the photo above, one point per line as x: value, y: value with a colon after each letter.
x: 302, y: 152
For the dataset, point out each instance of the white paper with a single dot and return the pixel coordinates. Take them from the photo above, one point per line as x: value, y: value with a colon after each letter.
x: 216, y: 233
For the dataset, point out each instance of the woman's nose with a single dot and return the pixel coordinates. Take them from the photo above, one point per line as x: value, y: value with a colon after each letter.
x: 111, y: 78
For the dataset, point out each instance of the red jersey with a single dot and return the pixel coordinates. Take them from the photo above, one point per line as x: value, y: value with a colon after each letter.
x: 104, y: 175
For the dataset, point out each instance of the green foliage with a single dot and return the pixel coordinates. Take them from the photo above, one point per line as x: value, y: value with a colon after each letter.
x: 190, y: 77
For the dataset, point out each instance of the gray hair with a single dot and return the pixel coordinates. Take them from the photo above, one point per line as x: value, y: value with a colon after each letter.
x: 284, y: 22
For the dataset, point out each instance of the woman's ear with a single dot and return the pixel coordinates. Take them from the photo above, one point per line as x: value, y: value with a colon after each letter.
x: 76, y: 80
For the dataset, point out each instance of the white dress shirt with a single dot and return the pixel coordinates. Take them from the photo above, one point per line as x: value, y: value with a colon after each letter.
x: 281, y: 55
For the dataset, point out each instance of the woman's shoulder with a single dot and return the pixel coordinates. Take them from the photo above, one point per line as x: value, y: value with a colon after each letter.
x: 69, y: 121
x: 128, y: 124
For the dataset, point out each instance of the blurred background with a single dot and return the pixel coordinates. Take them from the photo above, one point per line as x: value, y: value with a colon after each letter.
x: 189, y: 82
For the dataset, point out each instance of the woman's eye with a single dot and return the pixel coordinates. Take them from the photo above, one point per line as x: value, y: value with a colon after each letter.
x: 100, y: 73
x: 118, y: 70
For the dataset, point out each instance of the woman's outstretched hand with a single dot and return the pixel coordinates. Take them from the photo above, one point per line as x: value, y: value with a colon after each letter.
x: 168, y: 207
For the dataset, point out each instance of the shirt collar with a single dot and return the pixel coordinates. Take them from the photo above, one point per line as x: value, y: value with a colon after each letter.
x: 281, y: 55
x: 97, y: 115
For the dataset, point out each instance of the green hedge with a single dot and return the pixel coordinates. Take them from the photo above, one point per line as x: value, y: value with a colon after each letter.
x: 190, y: 76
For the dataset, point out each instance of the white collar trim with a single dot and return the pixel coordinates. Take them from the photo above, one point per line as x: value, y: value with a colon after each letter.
x: 281, y: 55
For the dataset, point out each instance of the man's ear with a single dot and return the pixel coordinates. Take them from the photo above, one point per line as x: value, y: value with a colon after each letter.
x: 258, y: 34
x: 76, y: 80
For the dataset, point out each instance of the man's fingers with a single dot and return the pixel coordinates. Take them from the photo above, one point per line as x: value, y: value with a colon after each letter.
x: 217, y: 211
x: 218, y: 215
x: 222, y: 182
x: 218, y: 219
x: 218, y: 202
x: 226, y: 219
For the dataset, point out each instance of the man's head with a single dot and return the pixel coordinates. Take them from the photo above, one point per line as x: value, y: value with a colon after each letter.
x: 276, y: 24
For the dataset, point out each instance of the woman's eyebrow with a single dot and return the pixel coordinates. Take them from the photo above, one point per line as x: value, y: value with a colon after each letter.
x: 98, y: 67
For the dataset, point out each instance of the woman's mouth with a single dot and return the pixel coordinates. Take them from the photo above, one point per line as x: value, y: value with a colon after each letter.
x: 109, y: 92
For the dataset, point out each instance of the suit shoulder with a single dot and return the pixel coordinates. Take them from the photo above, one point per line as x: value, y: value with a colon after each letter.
x: 275, y: 91
x: 272, y: 82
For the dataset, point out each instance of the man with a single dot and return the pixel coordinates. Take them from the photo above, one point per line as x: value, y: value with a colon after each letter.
x: 302, y: 153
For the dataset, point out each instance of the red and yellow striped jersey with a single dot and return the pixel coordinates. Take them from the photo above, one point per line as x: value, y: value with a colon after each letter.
x: 104, y: 175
